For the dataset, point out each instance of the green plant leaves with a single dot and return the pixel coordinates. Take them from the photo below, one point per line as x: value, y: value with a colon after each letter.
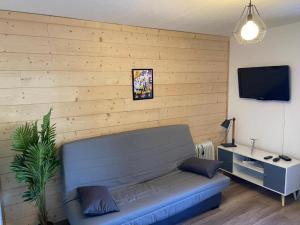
x: 24, y: 136
x: 36, y: 160
x: 47, y: 132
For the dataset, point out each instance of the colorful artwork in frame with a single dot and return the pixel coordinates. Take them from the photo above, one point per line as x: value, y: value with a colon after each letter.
x: 142, y: 84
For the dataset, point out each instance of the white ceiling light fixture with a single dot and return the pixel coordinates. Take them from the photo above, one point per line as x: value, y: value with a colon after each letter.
x: 250, y: 28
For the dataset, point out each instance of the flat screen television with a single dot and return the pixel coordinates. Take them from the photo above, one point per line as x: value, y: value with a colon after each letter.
x: 265, y: 83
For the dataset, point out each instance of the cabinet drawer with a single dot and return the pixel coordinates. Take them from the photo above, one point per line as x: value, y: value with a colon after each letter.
x: 226, y: 157
x: 274, y: 177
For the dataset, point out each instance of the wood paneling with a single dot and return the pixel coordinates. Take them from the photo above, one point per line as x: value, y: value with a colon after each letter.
x: 82, y: 69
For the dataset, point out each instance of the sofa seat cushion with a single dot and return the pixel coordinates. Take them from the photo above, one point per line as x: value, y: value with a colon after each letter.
x: 154, y: 200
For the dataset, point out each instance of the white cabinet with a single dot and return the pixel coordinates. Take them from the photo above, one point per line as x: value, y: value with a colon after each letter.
x: 282, y: 177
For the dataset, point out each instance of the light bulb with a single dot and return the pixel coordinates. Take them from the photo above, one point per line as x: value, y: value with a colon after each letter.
x: 250, y: 30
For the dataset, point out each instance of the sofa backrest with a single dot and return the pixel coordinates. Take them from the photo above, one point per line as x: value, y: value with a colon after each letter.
x: 125, y: 158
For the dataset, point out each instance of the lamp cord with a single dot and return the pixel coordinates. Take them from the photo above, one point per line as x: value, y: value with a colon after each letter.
x: 283, y: 130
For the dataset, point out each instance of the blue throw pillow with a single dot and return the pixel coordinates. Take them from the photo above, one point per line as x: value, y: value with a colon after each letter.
x: 96, y: 201
x: 203, y: 167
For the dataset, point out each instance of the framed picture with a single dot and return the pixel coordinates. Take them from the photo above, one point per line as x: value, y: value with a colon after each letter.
x: 142, y: 84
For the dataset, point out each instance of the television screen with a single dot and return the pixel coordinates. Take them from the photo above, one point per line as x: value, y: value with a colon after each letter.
x: 265, y: 83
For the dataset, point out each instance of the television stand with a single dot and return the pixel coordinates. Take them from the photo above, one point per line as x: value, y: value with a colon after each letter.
x: 282, y: 177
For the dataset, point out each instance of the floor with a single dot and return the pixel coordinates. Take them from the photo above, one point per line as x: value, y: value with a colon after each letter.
x: 247, y: 204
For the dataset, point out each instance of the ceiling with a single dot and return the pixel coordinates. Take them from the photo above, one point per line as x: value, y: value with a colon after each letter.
x: 210, y: 16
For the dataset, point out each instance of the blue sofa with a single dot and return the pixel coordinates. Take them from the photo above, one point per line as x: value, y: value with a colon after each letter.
x: 140, y: 169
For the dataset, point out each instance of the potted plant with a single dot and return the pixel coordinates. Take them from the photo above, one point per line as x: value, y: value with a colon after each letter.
x: 36, y: 161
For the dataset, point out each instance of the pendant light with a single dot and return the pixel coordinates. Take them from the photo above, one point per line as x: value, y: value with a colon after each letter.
x: 250, y: 27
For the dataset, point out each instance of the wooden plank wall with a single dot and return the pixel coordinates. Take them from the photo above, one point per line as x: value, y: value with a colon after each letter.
x: 82, y: 69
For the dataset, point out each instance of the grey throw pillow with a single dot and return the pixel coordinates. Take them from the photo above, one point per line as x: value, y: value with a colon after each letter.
x: 96, y: 201
x: 203, y: 167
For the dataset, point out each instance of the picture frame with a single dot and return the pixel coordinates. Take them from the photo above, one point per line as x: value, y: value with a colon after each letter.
x: 142, y: 84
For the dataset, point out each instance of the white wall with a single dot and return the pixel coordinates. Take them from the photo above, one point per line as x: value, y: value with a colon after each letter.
x: 263, y: 119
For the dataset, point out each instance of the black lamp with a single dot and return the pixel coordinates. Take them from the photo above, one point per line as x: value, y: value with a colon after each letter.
x: 226, y: 125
